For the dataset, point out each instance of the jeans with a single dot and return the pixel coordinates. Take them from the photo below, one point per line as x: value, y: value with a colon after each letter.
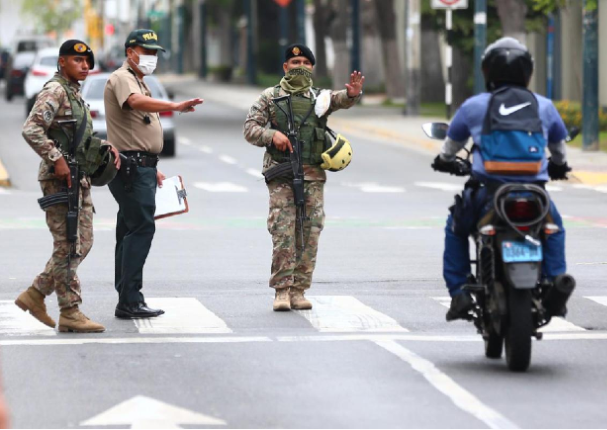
x: 456, y: 258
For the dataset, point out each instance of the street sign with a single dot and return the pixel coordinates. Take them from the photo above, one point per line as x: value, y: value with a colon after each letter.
x: 283, y: 3
x: 449, y: 4
x: 144, y: 412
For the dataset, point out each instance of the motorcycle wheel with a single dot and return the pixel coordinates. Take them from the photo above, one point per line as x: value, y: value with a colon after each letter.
x: 494, y: 345
x: 519, y: 331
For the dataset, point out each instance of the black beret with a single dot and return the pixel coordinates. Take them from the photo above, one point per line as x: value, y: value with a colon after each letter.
x: 77, y: 47
x: 299, y: 50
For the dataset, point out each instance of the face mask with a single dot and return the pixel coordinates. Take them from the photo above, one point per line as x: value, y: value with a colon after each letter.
x: 297, y: 80
x: 147, y: 63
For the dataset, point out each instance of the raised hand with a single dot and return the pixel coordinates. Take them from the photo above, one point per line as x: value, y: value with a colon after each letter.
x: 356, y: 84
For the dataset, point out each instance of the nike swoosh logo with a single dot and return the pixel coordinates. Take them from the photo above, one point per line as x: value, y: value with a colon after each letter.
x: 507, y: 111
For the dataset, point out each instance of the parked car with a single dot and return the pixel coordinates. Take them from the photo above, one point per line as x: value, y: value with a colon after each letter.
x: 43, y: 69
x: 15, y: 73
x: 92, y: 92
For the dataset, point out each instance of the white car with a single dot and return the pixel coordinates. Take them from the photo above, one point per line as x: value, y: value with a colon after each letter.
x: 43, y: 69
x: 92, y: 92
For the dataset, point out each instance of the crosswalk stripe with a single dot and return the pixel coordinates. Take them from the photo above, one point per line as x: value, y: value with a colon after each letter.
x: 254, y: 172
x: 227, y: 159
x: 373, y: 187
x: 220, y: 187
x: 15, y: 322
x: 601, y: 300
x: 185, y: 141
x: 182, y: 316
x: 443, y: 186
x: 206, y: 149
x: 347, y: 314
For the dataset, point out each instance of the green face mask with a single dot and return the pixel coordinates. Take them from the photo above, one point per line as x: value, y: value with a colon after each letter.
x: 296, y: 81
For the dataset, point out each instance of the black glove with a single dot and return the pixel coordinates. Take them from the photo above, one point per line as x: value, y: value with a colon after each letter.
x: 557, y: 172
x: 457, y: 167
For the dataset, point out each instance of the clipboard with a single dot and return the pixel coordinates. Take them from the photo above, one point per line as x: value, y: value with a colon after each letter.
x: 171, y: 199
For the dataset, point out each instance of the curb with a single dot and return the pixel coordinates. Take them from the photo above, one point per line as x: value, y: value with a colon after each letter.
x: 4, y: 178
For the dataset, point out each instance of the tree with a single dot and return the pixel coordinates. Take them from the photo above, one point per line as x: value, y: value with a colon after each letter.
x: 387, y: 30
x: 320, y: 32
x: 339, y: 29
x: 52, y: 15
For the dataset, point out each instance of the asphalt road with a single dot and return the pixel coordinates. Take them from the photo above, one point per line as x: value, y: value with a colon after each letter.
x: 375, y: 352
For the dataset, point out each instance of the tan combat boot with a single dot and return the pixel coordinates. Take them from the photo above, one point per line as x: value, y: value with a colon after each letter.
x: 71, y: 319
x: 281, y: 300
x: 298, y: 301
x: 32, y: 300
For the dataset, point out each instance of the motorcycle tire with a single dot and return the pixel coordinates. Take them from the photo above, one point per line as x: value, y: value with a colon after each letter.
x: 519, y: 330
x: 494, y: 345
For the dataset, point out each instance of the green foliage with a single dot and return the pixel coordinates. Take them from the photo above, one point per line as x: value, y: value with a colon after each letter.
x: 548, y: 6
x: 571, y: 112
x: 52, y: 15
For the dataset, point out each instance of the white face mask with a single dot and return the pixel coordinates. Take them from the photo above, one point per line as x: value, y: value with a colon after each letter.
x: 147, y: 63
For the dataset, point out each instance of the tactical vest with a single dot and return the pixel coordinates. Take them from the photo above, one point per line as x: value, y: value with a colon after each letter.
x: 312, y: 133
x: 88, y: 153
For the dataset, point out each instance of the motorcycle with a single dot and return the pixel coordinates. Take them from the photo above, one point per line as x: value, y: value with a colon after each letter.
x: 512, y: 300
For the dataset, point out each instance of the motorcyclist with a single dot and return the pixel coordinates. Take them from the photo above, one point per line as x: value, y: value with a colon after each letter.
x: 507, y: 62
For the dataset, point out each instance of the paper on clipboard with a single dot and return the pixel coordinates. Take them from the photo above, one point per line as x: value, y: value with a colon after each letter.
x: 171, y: 199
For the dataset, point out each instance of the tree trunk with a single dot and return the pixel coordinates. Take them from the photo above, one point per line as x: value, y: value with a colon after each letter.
x: 462, y: 73
x: 339, y: 28
x: 386, y: 21
x: 512, y: 15
x: 372, y: 59
x: 320, y: 26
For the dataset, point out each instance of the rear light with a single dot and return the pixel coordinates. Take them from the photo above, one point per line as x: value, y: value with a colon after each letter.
x: 487, y: 230
x: 95, y: 114
x: 166, y: 114
x: 522, y: 210
x: 39, y: 73
x: 16, y: 73
x: 550, y: 228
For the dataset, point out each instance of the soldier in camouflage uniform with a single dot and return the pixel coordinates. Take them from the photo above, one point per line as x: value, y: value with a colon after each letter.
x: 60, y: 99
x: 266, y: 126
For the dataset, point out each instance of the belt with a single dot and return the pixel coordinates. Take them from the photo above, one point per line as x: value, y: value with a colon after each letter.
x: 143, y: 159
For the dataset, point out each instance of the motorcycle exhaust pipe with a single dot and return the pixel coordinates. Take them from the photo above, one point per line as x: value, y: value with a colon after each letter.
x: 556, y: 299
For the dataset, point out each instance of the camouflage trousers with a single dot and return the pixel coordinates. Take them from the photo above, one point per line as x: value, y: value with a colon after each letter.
x: 54, y: 278
x: 292, y: 267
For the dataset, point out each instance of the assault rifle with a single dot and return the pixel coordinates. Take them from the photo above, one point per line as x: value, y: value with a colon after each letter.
x: 296, y: 161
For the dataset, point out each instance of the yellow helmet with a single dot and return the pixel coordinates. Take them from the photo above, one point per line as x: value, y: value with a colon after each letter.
x: 338, y: 156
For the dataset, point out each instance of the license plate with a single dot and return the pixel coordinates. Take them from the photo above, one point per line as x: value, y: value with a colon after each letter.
x: 520, y: 252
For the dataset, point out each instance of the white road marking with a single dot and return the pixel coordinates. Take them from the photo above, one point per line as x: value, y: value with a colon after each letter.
x: 142, y: 412
x: 556, y: 324
x: 347, y: 314
x: 601, y: 189
x: 69, y: 340
x: 553, y: 188
x: 601, y: 300
x: 206, y: 149
x: 220, y: 187
x: 373, y: 187
x: 462, y: 398
x: 185, y: 141
x: 227, y: 159
x: 254, y: 172
x: 4, y: 191
x: 443, y: 186
x: 591, y: 264
x: 182, y: 316
x: 15, y: 322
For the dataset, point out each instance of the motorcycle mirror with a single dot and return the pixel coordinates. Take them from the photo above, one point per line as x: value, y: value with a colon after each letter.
x: 436, y: 130
x: 573, y: 132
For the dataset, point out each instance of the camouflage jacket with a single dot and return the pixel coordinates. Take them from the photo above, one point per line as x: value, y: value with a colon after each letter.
x: 52, y: 105
x: 262, y: 114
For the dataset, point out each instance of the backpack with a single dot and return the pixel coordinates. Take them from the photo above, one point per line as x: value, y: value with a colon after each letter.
x: 512, y: 141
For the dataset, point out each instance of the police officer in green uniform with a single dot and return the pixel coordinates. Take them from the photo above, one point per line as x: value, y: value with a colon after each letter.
x: 133, y: 126
x: 293, y: 262
x: 59, y: 128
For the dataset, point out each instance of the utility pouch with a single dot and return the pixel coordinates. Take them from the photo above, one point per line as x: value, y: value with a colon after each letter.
x: 282, y: 170
x: 52, y: 200
x: 128, y: 171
